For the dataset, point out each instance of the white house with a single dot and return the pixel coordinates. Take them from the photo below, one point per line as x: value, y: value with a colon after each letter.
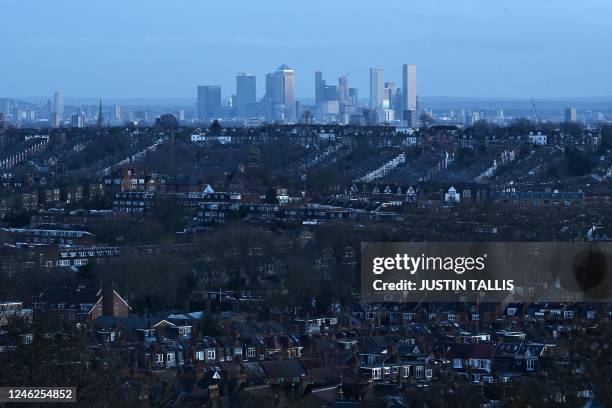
x: 452, y: 196
x: 538, y: 139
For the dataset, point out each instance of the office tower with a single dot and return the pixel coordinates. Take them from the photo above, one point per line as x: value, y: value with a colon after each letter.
x: 342, y: 90
x: 209, y: 101
x: 246, y: 93
x: 280, y: 93
x: 55, y: 120
x: 100, y: 120
x: 58, y: 104
x: 78, y: 120
x: 376, y: 88
x: 409, y: 91
x: 389, y: 95
x: 329, y: 93
x: 180, y: 114
x: 319, y: 85
x: 288, y: 90
x: 139, y: 116
x: 353, y: 96
x: 397, y: 103
x: 117, y: 113
x: 570, y: 114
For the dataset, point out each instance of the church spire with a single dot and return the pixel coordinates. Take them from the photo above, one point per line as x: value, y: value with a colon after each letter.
x: 100, y: 115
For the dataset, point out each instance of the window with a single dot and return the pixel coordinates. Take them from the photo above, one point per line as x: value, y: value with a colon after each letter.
x: 511, y: 311
x: 387, y: 370
x: 429, y: 373
x: 420, y: 371
x: 170, y: 357
x: 376, y: 374
x: 200, y: 355
x: 457, y: 363
x: 475, y: 316
x: 211, y: 354
x: 531, y: 364
x: 251, y: 352
x: 159, y: 358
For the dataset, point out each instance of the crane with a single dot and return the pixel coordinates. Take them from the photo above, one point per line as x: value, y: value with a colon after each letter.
x: 535, y: 110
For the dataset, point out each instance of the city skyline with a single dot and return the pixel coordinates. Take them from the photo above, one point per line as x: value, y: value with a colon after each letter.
x: 516, y: 57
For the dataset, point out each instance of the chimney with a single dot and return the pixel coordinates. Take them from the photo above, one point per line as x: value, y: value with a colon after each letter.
x: 213, y: 391
x: 340, y: 392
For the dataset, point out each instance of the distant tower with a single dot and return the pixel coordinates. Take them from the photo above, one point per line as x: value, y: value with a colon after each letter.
x: 570, y: 114
x: 209, y: 102
x: 409, y: 94
x: 58, y: 104
x: 246, y: 94
x: 376, y: 88
x: 100, y: 121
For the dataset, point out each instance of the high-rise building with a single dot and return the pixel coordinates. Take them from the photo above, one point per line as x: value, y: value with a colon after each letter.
x: 343, y: 90
x: 58, y: 104
x: 319, y: 85
x: 117, y: 113
x: 55, y: 120
x: 376, y: 88
x: 209, y: 101
x: 570, y: 114
x: 409, y: 90
x: 78, y: 120
x: 246, y: 93
x: 280, y: 93
x: 389, y: 95
x: 353, y: 96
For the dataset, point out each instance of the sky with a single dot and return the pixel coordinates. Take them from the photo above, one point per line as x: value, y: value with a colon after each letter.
x: 165, y: 48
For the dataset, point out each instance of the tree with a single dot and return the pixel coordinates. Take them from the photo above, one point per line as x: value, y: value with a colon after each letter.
x: 427, y: 119
x: 167, y: 121
x: 578, y: 163
x: 215, y: 128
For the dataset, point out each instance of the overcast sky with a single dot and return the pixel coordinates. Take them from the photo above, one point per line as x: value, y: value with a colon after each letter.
x: 164, y: 48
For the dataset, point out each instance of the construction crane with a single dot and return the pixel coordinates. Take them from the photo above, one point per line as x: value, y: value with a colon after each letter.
x: 535, y: 110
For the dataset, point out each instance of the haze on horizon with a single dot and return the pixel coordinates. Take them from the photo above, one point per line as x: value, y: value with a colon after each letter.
x: 154, y: 48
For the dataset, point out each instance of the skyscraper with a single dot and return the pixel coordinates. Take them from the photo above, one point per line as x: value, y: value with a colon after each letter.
x: 343, y: 90
x: 409, y: 90
x: 78, y: 120
x: 58, y: 104
x: 409, y: 94
x: 570, y: 114
x: 288, y: 82
x: 246, y: 93
x: 376, y: 88
x: 353, y: 96
x: 209, y: 101
x: 319, y: 85
x: 280, y: 91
